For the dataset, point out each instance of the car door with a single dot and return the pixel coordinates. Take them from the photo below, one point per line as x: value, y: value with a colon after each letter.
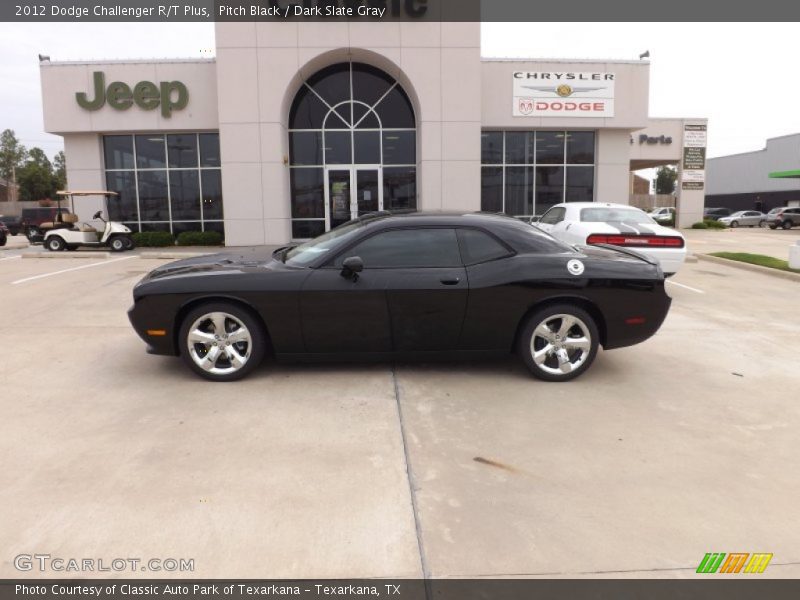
x: 425, y: 284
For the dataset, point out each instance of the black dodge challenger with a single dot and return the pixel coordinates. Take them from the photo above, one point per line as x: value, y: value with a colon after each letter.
x: 404, y: 286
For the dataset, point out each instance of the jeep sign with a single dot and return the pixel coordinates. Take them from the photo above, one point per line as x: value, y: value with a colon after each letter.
x: 170, y: 95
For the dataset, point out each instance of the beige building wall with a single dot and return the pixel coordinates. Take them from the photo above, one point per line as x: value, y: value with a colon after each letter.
x: 262, y: 65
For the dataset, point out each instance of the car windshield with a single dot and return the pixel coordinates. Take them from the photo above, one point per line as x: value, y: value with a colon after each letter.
x: 738, y: 214
x: 305, y: 254
x: 775, y: 210
x: 603, y: 214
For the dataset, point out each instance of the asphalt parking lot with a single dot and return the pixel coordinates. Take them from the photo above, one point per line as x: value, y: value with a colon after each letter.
x: 683, y: 445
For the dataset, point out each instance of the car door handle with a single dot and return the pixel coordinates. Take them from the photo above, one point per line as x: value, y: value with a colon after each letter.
x: 450, y: 280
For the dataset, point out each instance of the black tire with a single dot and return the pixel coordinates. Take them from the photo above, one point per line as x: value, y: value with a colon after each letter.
x: 55, y: 244
x: 762, y: 223
x: 773, y: 226
x: 734, y: 224
x: 546, y: 367
x: 117, y: 243
x: 3, y: 241
x: 31, y: 233
x: 787, y: 224
x: 129, y: 243
x: 253, y: 351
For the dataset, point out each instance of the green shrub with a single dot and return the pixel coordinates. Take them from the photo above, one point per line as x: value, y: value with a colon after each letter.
x: 712, y: 224
x: 700, y: 225
x: 154, y: 239
x: 200, y: 238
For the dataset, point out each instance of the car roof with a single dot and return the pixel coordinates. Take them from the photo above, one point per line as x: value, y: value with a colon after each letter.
x: 596, y: 205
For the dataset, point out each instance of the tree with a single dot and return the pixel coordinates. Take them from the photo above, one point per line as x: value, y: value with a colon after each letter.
x: 60, y: 170
x: 665, y: 180
x: 12, y: 155
x: 36, y: 178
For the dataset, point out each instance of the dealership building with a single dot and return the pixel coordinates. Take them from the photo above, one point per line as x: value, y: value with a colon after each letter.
x: 296, y: 127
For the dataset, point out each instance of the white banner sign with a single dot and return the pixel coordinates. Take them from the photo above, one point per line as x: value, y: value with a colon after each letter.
x: 695, y: 138
x: 552, y: 94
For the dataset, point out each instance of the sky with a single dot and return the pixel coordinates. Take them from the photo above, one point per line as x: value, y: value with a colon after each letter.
x: 741, y: 76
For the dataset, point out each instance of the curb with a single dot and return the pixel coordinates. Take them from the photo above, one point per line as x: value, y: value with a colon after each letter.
x: 106, y: 255
x: 173, y: 255
x: 748, y: 267
x: 49, y: 255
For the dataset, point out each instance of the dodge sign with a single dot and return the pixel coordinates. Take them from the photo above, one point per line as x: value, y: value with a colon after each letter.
x: 550, y: 94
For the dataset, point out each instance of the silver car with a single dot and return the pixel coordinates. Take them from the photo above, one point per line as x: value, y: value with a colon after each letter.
x: 745, y: 218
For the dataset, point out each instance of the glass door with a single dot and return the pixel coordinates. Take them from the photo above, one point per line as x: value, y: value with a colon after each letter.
x: 368, y: 191
x: 339, y: 199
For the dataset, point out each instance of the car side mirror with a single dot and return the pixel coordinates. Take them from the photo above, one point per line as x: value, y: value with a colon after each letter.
x: 351, y: 267
x: 535, y: 219
x: 98, y: 214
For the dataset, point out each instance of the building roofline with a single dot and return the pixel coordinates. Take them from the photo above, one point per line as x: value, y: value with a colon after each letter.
x: 593, y: 61
x: 127, y: 61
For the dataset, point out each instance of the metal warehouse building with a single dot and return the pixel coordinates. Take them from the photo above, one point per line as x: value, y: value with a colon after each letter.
x: 297, y: 127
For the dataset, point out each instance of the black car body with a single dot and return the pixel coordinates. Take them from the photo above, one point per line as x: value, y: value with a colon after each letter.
x: 4, y: 233
x: 13, y: 224
x: 431, y: 284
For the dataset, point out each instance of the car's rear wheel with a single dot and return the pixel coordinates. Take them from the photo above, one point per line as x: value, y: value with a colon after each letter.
x: 787, y: 224
x: 762, y: 223
x: 559, y: 342
x: 129, y: 243
x: 222, y: 341
x: 55, y: 244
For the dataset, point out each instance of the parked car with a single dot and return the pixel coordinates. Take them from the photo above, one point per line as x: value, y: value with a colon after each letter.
x: 745, y: 218
x: 404, y: 286
x: 716, y: 213
x: 783, y: 217
x: 14, y: 224
x: 616, y: 224
x: 665, y: 214
x: 4, y: 233
x: 32, y: 218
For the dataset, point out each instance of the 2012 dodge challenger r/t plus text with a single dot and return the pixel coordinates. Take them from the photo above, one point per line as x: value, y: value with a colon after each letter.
x: 404, y: 286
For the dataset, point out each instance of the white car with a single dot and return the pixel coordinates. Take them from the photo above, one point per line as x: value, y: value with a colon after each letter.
x: 588, y: 223
x: 665, y: 214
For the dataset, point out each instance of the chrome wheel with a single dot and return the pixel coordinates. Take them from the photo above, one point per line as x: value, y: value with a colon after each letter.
x: 561, y: 344
x: 219, y: 343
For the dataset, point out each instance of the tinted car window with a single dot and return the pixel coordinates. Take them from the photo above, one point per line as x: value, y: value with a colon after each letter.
x: 434, y: 247
x: 478, y: 247
x: 553, y: 216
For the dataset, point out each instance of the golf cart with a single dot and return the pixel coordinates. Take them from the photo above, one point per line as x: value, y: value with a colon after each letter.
x: 67, y: 234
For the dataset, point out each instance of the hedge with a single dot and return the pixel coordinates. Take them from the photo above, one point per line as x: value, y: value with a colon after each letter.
x: 200, y: 238
x: 154, y: 239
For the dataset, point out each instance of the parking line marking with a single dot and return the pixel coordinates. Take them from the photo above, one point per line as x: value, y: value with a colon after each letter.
x: 685, y: 286
x: 10, y: 257
x: 96, y: 264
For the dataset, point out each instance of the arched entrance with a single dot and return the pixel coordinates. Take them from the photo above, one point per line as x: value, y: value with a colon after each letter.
x: 352, y: 148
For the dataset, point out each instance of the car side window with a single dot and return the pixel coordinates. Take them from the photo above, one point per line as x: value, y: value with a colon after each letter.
x: 479, y: 247
x: 410, y: 248
x: 554, y: 216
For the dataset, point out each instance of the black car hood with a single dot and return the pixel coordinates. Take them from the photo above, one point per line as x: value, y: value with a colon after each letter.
x: 234, y: 261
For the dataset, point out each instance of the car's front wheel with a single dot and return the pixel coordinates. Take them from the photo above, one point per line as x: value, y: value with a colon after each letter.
x: 734, y: 224
x: 55, y: 244
x: 762, y: 224
x: 559, y: 342
x: 222, y: 341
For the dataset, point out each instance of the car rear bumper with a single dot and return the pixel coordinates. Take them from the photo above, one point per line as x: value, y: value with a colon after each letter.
x: 670, y: 259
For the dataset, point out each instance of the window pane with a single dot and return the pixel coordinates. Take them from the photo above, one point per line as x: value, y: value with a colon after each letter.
x: 580, y: 184
x: 332, y: 83
x: 399, y: 188
x: 153, y: 202
x: 307, y: 110
x: 338, y: 118
x: 118, y: 151
x: 408, y: 248
x: 155, y: 227
x: 519, y: 147
x: 122, y: 207
x: 212, y: 193
x: 369, y: 122
x: 308, y: 196
x: 399, y: 147
x: 550, y: 147
x: 209, y: 150
x: 182, y: 150
x: 184, y: 189
x: 477, y: 246
x: 217, y: 226
x: 492, y: 189
x: 549, y: 187
x: 303, y: 230
x: 492, y: 147
x: 395, y: 110
x: 337, y: 148
x: 150, y: 152
x: 519, y: 191
x: 179, y: 227
x: 369, y: 83
x: 580, y: 147
x: 367, y: 147
x: 305, y: 148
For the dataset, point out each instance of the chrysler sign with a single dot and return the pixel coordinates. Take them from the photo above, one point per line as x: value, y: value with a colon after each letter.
x: 568, y: 94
